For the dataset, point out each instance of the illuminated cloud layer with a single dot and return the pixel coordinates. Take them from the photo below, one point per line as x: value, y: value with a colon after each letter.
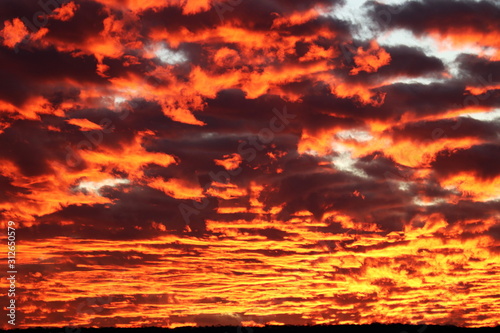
x: 201, y: 162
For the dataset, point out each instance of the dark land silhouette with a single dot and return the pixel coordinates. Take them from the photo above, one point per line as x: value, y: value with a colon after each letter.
x: 373, y: 328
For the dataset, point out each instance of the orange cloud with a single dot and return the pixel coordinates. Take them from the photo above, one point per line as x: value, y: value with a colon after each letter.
x: 230, y: 162
x: 473, y: 188
x: 177, y: 188
x: 13, y: 32
x: 84, y: 124
x: 66, y: 12
x: 370, y: 60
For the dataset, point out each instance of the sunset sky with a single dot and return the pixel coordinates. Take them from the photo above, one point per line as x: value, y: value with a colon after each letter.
x: 250, y: 162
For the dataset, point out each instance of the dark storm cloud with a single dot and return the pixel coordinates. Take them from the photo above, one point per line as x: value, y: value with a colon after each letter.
x: 232, y: 111
x: 400, y: 98
x: 479, y: 68
x: 130, y: 216
x: 231, y: 217
x: 495, y: 233
x: 381, y: 167
x: 132, y: 64
x: 212, y: 300
x: 409, y: 62
x: 462, y: 127
x: 405, y: 62
x: 313, y: 26
x: 481, y: 160
x: 233, y: 126
x: 50, y: 64
x: 179, y: 246
x: 269, y: 233
x: 87, y: 22
x: 427, y: 99
x: 10, y: 191
x: 466, y: 210
x: 26, y: 74
x: 30, y: 147
x: 173, y: 20
x: 59, y: 95
x: 124, y: 124
x: 12, y: 9
x: 438, y: 15
x: 322, y: 191
x: 196, y: 157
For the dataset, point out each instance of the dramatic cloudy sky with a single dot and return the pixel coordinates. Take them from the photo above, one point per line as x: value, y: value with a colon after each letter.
x: 202, y: 162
